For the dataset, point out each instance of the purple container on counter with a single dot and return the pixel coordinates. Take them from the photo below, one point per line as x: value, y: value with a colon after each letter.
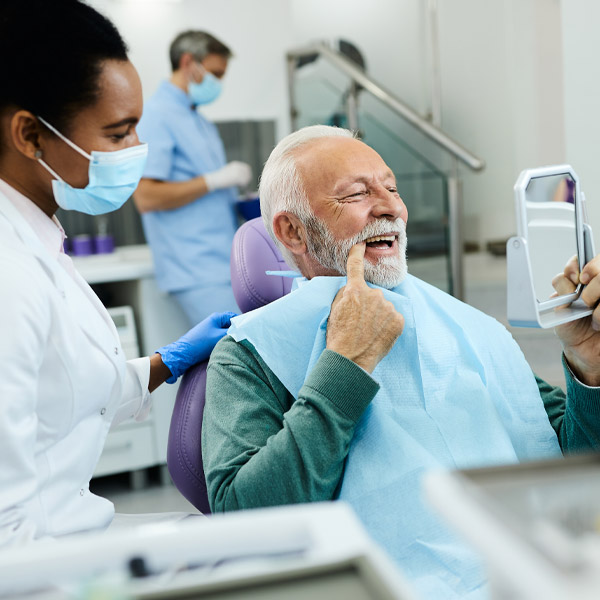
x: 104, y: 244
x: 82, y: 245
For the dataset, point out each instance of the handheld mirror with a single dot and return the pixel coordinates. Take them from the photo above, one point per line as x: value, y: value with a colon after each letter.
x: 551, y: 231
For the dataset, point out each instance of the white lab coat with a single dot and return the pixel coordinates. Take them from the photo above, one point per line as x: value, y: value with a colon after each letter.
x: 63, y: 382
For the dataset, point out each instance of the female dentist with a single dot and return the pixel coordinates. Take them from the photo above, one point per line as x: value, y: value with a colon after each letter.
x: 69, y: 104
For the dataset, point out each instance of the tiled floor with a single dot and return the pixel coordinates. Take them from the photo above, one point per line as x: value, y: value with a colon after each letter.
x: 485, y: 288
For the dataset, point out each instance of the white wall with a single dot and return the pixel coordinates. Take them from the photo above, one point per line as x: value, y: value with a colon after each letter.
x: 389, y: 33
x: 476, y: 108
x: 502, y: 98
x: 582, y: 98
x: 258, y: 33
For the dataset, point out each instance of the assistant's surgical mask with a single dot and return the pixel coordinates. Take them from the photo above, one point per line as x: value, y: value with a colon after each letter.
x: 113, y: 177
x: 206, y: 91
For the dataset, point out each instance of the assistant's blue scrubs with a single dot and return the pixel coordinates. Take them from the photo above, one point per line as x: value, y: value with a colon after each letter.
x: 190, y: 245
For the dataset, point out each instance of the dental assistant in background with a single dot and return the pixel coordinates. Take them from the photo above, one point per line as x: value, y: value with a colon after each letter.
x: 70, y: 101
x: 188, y: 190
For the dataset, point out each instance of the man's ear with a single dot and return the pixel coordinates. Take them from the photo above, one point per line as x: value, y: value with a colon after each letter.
x: 289, y: 230
x: 186, y: 59
x: 25, y: 133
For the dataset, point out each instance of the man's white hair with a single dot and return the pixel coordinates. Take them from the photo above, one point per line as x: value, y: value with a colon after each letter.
x: 281, y: 187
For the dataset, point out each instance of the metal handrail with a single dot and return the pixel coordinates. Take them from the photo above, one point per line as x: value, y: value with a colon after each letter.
x: 389, y: 99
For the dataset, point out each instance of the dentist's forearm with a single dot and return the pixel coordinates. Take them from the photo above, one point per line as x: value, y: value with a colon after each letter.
x: 152, y: 194
x: 159, y: 372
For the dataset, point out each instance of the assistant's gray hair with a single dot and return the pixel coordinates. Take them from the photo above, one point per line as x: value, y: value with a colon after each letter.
x: 281, y: 187
x: 199, y: 44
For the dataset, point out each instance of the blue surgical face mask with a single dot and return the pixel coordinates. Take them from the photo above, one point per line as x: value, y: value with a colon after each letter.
x: 206, y: 91
x: 113, y: 177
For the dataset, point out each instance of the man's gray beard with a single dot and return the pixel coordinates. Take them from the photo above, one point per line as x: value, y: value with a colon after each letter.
x: 330, y: 253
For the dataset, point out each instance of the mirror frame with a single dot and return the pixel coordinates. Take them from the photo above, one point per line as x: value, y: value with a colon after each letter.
x: 523, y: 307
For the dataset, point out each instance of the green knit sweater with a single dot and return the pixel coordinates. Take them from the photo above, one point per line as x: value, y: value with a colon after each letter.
x: 261, y: 447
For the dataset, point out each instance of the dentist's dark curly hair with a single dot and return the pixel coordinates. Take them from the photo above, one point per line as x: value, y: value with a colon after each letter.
x: 52, y: 53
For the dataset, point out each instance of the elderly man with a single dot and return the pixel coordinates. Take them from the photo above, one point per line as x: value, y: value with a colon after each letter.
x: 309, y: 400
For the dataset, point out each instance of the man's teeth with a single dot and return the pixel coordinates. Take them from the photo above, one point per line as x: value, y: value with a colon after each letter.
x: 381, y: 238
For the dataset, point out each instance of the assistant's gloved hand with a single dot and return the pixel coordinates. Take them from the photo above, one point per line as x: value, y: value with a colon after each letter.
x: 196, y: 345
x: 233, y: 173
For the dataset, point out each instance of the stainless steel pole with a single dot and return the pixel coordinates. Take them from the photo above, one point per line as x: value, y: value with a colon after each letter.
x: 436, y: 93
x: 291, y: 73
x: 454, y: 187
x: 352, y: 107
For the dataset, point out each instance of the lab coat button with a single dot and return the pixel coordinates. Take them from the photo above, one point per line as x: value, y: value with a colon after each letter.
x: 116, y: 350
x: 103, y: 411
x: 81, y: 492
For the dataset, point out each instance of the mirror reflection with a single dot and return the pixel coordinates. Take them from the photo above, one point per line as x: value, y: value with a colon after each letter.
x: 551, y: 229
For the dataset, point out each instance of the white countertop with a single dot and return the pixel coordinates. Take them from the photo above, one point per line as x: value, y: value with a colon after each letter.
x: 125, y: 263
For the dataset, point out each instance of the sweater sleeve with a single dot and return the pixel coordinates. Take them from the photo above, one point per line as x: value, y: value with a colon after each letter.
x: 260, y: 446
x: 575, y: 416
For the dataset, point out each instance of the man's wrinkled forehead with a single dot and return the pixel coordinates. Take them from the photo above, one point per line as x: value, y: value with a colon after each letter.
x: 328, y: 165
x: 342, y: 184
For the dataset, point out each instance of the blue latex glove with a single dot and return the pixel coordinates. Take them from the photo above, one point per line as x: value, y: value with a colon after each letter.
x: 196, y: 345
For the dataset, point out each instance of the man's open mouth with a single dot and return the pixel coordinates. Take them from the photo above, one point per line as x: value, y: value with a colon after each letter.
x: 381, y: 241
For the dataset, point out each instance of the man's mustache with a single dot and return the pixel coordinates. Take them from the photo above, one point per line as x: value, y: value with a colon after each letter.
x: 384, y: 227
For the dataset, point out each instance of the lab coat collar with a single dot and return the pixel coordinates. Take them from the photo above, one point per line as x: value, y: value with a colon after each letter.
x: 101, y: 331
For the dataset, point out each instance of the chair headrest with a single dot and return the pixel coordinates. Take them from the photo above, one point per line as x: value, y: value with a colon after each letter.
x: 254, y: 252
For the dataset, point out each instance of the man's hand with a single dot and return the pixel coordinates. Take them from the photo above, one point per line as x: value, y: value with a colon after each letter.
x: 581, y: 338
x: 363, y: 325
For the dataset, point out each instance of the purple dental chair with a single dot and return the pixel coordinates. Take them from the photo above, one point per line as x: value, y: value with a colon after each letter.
x: 253, y: 252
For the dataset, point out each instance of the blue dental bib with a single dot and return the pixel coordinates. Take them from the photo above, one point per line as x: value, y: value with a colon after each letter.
x: 456, y: 392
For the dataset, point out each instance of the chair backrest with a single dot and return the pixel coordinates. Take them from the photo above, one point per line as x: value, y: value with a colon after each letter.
x: 253, y: 252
